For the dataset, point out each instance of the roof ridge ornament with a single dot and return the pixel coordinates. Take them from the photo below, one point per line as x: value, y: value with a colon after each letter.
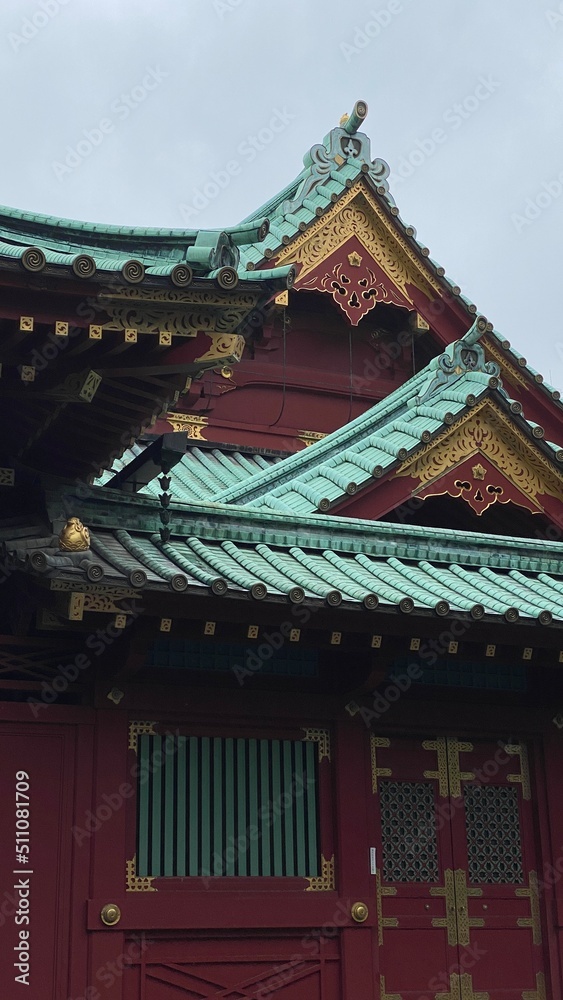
x: 342, y: 145
x: 465, y: 355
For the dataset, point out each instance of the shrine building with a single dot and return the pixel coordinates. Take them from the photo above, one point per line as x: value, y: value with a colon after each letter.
x: 281, y: 612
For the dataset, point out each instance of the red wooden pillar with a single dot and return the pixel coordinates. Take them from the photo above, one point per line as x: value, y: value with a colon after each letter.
x: 107, y: 817
x: 355, y: 885
x: 550, y: 877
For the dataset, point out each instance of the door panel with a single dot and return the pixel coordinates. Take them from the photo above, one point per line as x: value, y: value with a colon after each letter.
x: 456, y: 883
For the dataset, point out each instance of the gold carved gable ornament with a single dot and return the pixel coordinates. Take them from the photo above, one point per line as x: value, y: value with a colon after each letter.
x: 358, y: 214
x: 488, y: 432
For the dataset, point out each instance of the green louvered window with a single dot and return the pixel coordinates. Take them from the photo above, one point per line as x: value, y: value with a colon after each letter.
x: 210, y: 806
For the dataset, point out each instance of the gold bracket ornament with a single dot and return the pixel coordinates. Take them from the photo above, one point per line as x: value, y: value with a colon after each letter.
x: 322, y: 737
x: 447, y: 890
x: 137, y: 729
x: 310, y: 437
x: 324, y: 882
x: 448, y: 775
x: 540, y: 992
x: 383, y: 922
x: 378, y: 772
x: 189, y: 423
x: 524, y: 777
x: 534, y: 920
x: 137, y: 883
x: 457, y: 920
x: 461, y: 988
x: 383, y: 992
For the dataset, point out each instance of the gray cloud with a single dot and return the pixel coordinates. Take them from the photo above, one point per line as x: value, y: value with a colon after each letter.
x: 224, y: 67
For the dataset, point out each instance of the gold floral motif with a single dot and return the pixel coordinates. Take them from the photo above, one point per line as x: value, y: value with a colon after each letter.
x: 358, y: 213
x: 325, y: 881
x: 137, y: 883
x: 322, y: 737
x: 7, y: 477
x: 487, y: 431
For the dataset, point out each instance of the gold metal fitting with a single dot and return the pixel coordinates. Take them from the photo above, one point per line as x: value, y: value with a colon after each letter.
x: 110, y: 914
x: 359, y: 912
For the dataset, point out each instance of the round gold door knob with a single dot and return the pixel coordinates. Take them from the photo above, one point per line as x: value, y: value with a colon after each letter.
x: 110, y: 914
x: 359, y: 912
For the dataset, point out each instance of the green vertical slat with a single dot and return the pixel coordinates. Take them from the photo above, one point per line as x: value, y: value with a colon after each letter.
x: 242, y: 799
x: 182, y: 807
x: 218, y: 794
x: 169, y: 748
x: 205, y: 822
x: 289, y: 792
x: 156, y: 828
x: 311, y: 749
x: 266, y: 804
x: 253, y: 823
x: 300, y: 808
x: 277, y: 808
x: 193, y: 814
x: 143, y: 749
x: 231, y: 851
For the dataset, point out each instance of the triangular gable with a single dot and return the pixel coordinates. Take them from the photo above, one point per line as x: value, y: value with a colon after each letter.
x: 341, y: 199
x: 451, y: 429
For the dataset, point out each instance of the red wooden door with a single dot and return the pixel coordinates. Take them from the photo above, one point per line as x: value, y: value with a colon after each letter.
x: 457, y: 889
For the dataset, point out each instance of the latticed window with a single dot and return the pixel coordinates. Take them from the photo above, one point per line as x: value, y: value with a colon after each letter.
x: 216, y: 806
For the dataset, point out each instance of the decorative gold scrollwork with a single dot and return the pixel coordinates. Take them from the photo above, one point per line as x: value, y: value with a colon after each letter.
x: 524, y: 777
x: 322, y: 737
x: 137, y: 883
x: 378, y: 772
x: 461, y: 988
x: 324, y: 882
x: 383, y: 922
x: 137, y: 729
x: 383, y: 994
x: 449, y: 775
x: 534, y: 920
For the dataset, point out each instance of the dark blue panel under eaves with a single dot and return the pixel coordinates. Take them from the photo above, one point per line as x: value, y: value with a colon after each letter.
x: 257, y: 656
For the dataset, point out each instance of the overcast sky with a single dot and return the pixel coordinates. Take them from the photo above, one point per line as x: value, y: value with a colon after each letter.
x: 121, y: 111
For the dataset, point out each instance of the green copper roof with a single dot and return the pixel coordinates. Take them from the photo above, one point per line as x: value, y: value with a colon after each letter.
x: 383, y: 437
x: 201, y: 474
x: 334, y: 561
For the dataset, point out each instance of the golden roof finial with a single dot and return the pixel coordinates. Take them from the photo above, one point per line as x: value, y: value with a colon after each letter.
x: 343, y: 120
x: 74, y: 537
